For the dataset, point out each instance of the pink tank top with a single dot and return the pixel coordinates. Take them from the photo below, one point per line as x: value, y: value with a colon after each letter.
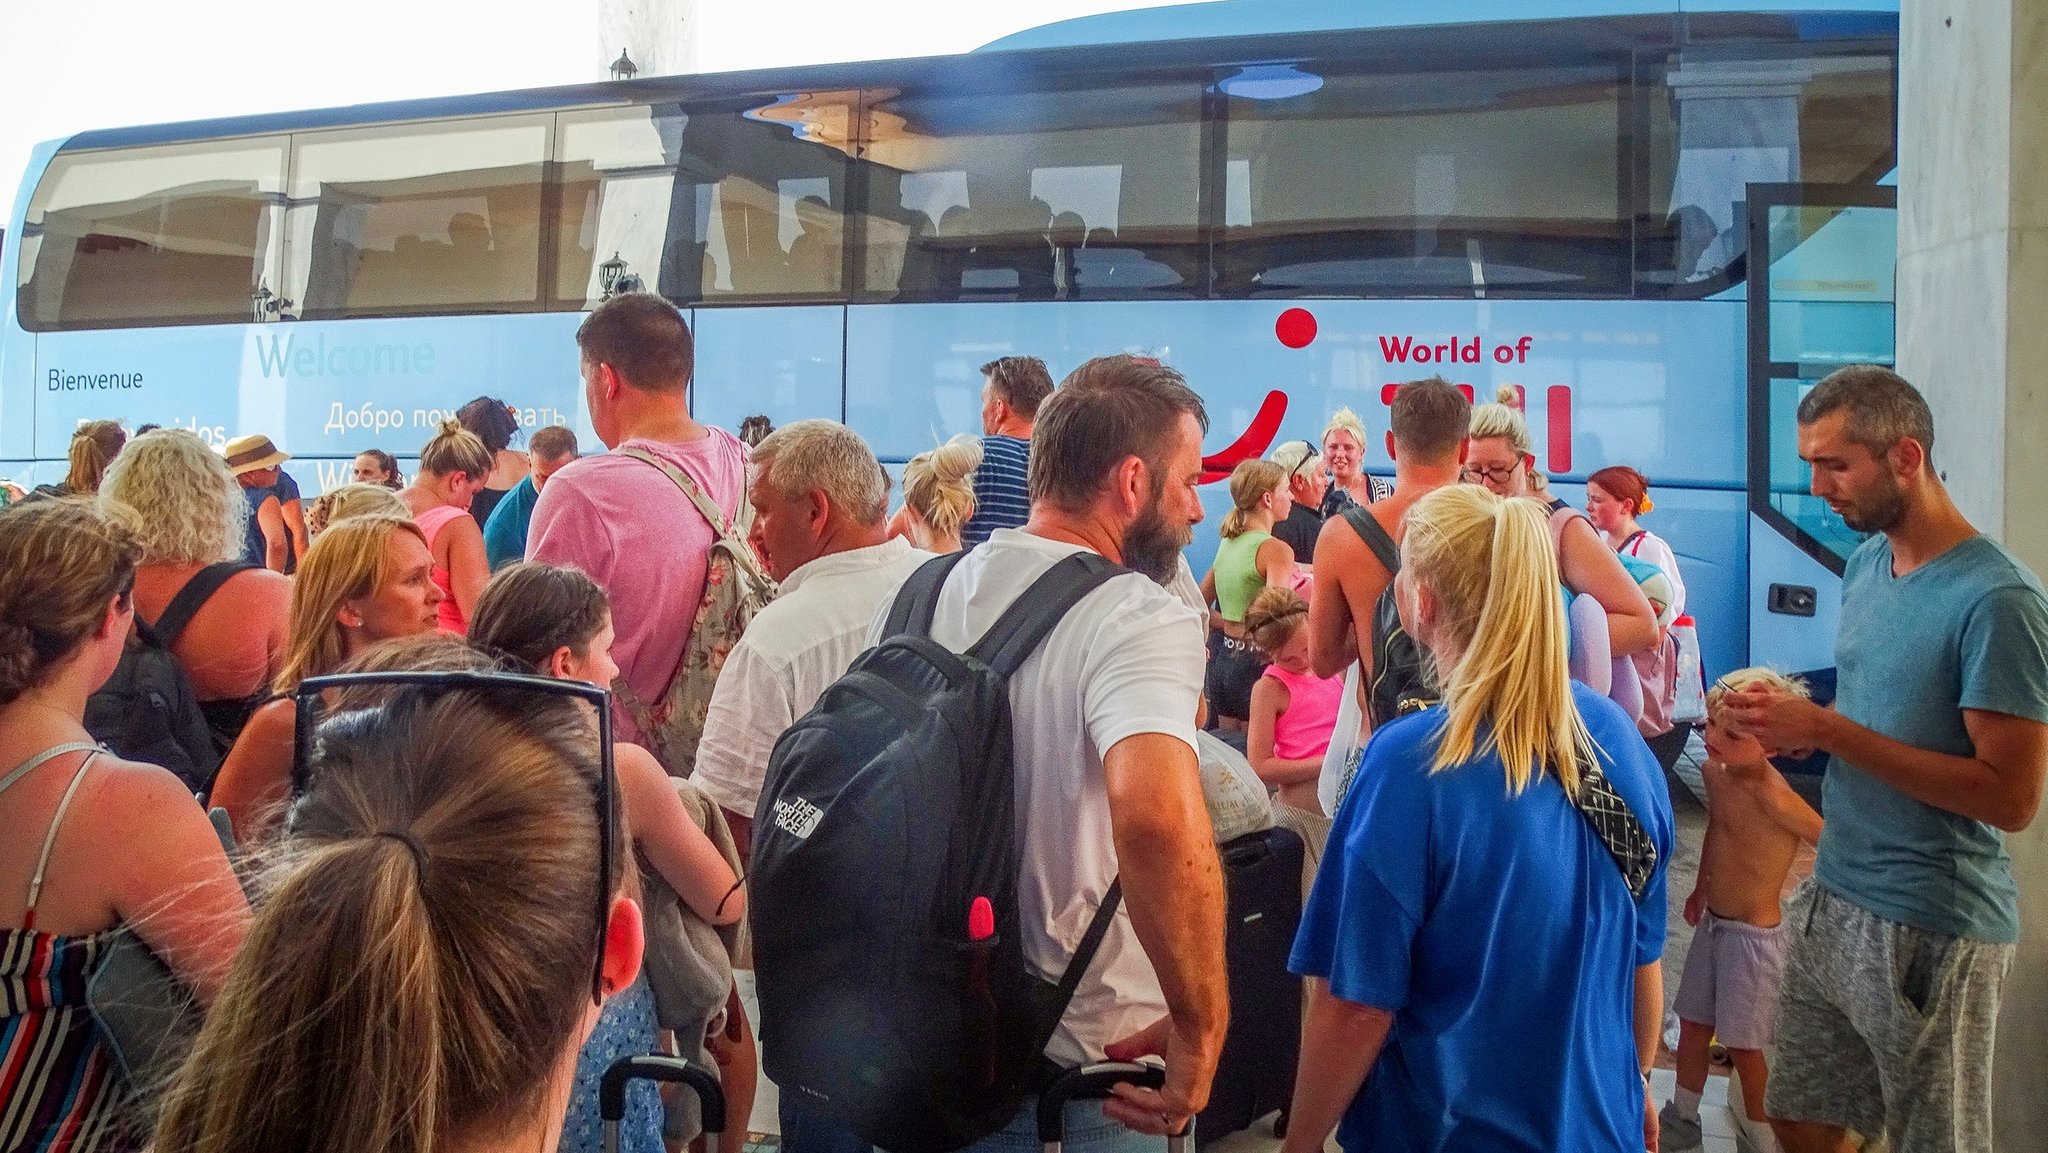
x: 431, y: 522
x: 1303, y: 728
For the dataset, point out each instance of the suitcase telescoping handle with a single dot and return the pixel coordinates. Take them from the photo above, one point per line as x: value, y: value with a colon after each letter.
x: 611, y: 1092
x: 1092, y: 1083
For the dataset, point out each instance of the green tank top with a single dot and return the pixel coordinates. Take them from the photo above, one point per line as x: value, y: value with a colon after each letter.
x: 1237, y: 573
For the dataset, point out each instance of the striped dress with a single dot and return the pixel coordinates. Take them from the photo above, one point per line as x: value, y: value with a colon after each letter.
x: 58, y: 1090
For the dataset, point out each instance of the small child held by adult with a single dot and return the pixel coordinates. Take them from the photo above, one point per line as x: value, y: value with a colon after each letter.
x: 1755, y: 822
x: 1293, y: 712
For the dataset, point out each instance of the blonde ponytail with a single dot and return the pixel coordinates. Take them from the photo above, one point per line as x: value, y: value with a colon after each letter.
x: 1250, y: 482
x: 455, y: 449
x: 938, y: 484
x: 1489, y: 565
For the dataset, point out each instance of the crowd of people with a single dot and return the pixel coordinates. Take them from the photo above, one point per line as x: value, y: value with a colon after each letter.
x: 435, y: 910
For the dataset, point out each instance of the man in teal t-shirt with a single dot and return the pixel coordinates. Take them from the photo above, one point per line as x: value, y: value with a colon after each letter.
x: 548, y: 451
x: 1939, y: 744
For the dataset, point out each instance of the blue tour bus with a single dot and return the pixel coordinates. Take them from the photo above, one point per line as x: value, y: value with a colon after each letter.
x: 1315, y: 198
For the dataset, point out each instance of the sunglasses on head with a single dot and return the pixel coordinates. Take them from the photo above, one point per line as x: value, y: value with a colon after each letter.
x: 307, y: 702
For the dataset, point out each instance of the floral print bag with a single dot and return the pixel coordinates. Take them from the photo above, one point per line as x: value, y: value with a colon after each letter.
x: 735, y: 588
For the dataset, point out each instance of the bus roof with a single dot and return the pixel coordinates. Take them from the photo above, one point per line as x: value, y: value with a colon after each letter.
x: 1224, y: 18
x: 1181, y: 35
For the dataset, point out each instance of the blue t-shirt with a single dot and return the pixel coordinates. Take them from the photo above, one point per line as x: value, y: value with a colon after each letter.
x: 1487, y: 924
x: 505, y: 528
x: 1001, y: 496
x: 1966, y: 630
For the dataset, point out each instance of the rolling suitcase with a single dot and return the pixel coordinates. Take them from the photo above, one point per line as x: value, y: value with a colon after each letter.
x: 1255, y: 1075
x: 1089, y: 1083
x: 611, y: 1093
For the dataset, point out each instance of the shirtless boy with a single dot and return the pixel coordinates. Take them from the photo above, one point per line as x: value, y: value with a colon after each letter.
x: 1730, y: 989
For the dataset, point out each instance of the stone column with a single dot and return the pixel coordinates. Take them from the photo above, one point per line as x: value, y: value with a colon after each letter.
x: 1973, y: 333
x: 660, y: 36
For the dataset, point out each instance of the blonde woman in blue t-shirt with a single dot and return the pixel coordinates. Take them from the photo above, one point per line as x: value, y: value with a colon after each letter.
x: 1483, y: 937
x: 1249, y: 560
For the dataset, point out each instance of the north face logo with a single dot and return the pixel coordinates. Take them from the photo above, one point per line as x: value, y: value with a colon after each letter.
x: 797, y: 817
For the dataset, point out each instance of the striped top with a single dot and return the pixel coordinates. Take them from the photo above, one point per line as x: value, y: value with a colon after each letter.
x: 1001, y: 498
x: 58, y: 1092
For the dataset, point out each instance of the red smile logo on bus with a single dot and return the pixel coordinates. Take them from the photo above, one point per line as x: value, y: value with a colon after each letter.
x: 1254, y: 441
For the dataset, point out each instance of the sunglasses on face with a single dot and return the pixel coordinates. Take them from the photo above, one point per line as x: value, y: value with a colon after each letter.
x: 307, y: 702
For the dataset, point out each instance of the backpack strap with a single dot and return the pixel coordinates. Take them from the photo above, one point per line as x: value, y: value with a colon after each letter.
x: 193, y: 597
x: 1025, y: 624
x: 1617, y: 827
x: 1084, y: 955
x: 681, y: 479
x: 1634, y: 544
x: 1370, y: 530
x: 918, y: 600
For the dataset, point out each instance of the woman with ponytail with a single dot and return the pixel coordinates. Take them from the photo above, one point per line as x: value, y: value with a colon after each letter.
x: 938, y: 494
x: 1615, y: 497
x: 1249, y: 559
x: 1481, y: 892
x: 93, y: 447
x: 557, y: 622
x: 1498, y: 457
x: 420, y: 976
x: 453, y: 468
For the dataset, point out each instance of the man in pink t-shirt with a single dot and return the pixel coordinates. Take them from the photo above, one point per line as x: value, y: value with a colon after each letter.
x: 621, y: 520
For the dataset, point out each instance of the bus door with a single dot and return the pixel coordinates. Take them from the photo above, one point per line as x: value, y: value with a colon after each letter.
x: 1820, y: 297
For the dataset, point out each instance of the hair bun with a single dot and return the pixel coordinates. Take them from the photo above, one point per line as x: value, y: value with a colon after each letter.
x: 1505, y: 394
x: 17, y: 660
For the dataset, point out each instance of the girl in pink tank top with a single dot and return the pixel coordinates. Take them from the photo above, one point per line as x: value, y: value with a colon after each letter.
x: 1293, y: 710
x: 431, y: 522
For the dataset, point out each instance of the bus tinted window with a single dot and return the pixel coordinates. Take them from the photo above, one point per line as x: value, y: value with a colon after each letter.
x: 617, y: 174
x: 1454, y: 183
x: 170, y: 235
x: 1036, y: 195
x: 735, y: 201
x: 1729, y: 116
x: 417, y: 218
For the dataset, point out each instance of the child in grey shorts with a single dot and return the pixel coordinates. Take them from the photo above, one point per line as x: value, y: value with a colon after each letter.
x: 1732, y: 971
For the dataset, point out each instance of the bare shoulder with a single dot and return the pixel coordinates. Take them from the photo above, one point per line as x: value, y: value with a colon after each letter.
x: 259, y: 586
x: 129, y: 800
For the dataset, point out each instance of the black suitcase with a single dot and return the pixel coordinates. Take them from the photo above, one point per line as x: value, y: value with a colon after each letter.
x: 611, y: 1093
x: 1255, y: 1076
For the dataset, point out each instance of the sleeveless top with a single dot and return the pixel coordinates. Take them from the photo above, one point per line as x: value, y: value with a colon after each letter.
x: 1237, y: 573
x: 431, y: 522
x: 1303, y: 728
x: 58, y: 1088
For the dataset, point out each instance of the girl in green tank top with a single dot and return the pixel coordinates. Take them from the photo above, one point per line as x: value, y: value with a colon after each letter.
x: 1249, y: 558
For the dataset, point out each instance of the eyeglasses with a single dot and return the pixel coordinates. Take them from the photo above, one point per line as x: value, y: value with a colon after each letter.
x: 1499, y: 474
x: 306, y: 700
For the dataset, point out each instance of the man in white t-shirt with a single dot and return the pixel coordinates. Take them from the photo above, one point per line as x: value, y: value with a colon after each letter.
x: 1103, y: 715
x: 821, y: 526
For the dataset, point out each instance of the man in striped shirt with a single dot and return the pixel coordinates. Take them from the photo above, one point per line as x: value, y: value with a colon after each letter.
x: 1014, y: 387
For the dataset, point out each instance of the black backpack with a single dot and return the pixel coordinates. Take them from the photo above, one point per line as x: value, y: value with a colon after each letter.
x: 147, y: 710
x: 888, y: 941
x: 1399, y: 677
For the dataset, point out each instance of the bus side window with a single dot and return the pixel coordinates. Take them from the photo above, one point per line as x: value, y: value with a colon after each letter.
x: 418, y: 218
x: 175, y: 234
x: 1086, y: 193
